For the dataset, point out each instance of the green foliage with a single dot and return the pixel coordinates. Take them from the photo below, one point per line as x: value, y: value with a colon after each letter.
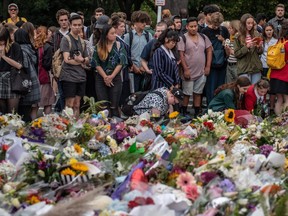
x: 92, y: 106
x: 235, y: 9
x: 43, y: 12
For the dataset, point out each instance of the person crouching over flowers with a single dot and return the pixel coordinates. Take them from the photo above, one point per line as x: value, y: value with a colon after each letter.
x: 230, y: 96
x: 256, y: 94
x: 159, y: 102
x: 109, y: 58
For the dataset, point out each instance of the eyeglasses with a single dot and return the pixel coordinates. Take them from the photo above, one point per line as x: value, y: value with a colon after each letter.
x: 12, y: 9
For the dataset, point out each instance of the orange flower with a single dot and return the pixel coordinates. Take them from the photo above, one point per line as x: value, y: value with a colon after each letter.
x: 271, y: 189
x: 78, y: 148
x: 34, y: 199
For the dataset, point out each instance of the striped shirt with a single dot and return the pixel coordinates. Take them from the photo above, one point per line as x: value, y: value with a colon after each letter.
x: 165, y: 72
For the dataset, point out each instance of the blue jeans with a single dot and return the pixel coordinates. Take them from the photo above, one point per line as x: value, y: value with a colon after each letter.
x: 214, y: 80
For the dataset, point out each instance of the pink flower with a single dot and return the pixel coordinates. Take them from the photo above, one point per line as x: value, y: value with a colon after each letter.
x: 191, y: 192
x: 185, y: 179
x: 215, y: 192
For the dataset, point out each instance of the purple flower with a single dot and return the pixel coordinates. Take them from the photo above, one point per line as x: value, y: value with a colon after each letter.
x: 38, y: 132
x: 206, y: 177
x: 227, y: 185
x: 121, y: 135
x: 266, y: 149
x: 42, y: 165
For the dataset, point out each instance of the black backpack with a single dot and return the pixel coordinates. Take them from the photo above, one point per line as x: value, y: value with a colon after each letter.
x: 133, y: 100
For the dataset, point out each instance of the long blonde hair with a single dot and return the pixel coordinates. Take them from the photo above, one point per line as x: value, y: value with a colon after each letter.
x: 102, y: 48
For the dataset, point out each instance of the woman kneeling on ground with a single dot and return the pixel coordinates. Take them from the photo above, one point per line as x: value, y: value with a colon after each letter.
x: 230, y: 96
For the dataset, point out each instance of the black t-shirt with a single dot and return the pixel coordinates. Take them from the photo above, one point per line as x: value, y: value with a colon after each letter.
x: 14, y: 53
x: 212, y: 34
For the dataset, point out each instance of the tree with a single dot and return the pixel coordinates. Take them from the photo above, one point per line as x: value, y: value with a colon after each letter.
x: 174, y: 6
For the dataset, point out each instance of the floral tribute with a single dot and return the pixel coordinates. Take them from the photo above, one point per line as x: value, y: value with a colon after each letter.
x: 222, y: 163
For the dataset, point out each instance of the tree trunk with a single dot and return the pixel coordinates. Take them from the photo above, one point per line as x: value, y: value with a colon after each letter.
x: 175, y: 5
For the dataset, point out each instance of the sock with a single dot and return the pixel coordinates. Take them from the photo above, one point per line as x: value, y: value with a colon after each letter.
x: 197, y: 111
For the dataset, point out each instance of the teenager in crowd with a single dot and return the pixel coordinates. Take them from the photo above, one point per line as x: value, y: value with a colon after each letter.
x: 247, y: 48
x: 230, y: 95
x: 73, y: 76
x: 10, y: 56
x: 160, y: 103
x: 29, y: 62
x: 45, y: 52
x: 231, y: 70
x: 279, y: 78
x: 109, y: 57
x: 166, y: 73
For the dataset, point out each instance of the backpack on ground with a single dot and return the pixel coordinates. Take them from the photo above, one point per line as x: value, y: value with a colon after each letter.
x: 276, y: 55
x: 133, y: 100
x: 57, y: 60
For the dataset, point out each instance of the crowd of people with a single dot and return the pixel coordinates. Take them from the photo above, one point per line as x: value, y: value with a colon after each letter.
x: 183, y: 58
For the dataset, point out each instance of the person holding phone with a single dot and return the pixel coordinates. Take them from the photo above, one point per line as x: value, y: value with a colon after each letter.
x: 248, y: 47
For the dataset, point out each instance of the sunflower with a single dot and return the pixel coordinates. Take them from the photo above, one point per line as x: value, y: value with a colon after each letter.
x: 173, y: 115
x: 79, y: 167
x: 78, y: 148
x: 229, y: 115
x: 68, y: 171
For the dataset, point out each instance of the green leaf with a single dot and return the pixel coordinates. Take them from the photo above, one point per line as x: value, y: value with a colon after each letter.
x: 132, y: 148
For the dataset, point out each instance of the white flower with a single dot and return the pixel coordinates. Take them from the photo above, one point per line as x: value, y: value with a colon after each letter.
x: 15, y: 202
x: 47, y: 157
x: 41, y: 173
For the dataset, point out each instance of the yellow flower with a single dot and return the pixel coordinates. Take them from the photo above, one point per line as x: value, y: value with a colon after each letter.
x: 173, y: 115
x: 20, y: 132
x: 79, y: 167
x: 37, y: 123
x: 229, y: 115
x: 286, y: 164
x: 78, y: 148
x: 72, y: 161
x: 68, y: 171
x: 34, y: 199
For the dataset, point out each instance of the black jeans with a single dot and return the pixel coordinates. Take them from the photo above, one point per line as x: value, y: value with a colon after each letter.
x: 111, y: 94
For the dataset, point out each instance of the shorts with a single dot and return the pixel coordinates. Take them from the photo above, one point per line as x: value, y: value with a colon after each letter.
x: 194, y: 86
x: 72, y: 89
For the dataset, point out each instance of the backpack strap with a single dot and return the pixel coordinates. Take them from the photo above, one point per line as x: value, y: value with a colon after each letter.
x: 146, y: 35
x: 69, y: 41
x: 131, y: 37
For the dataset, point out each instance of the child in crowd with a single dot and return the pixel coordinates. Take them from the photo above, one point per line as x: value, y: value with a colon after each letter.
x: 256, y: 94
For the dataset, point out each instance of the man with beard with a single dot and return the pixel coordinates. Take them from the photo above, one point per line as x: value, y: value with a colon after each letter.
x: 278, y: 19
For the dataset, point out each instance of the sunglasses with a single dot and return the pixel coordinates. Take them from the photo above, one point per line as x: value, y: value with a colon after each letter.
x: 13, y: 9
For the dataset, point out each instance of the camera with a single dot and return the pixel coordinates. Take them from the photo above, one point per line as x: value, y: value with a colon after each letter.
x: 76, y: 52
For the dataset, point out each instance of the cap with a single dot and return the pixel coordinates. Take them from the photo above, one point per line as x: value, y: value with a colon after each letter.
x: 178, y: 93
x: 12, y: 5
x: 102, y: 21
